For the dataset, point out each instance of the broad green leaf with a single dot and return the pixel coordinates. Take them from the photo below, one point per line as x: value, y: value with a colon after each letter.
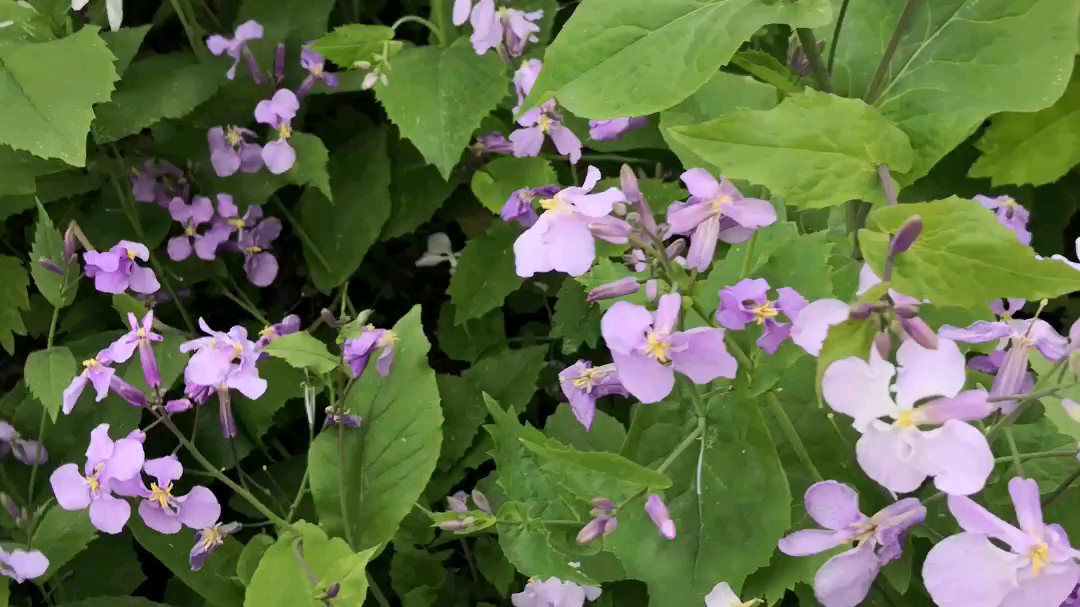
x: 612, y: 59
x: 47, y: 374
x: 603, y: 463
x: 215, y: 582
x: 256, y: 188
x: 493, y: 565
x: 300, y: 21
x: 390, y: 459
x: 473, y: 338
x: 417, y: 190
x: 49, y: 188
x: 485, y: 273
x: 283, y: 383
x: 509, y: 376
x: 13, y: 299
x: 109, y: 565
x: 528, y: 546
x: 768, y: 69
x: 115, y: 601
x: 802, y: 264
x: 251, y: 555
x: 837, y: 144
x: 606, y: 434
x: 50, y: 88
x: 575, y: 320
x: 348, y: 44
x: 124, y: 44
x: 153, y: 89
x: 438, y: 96
x: 463, y: 413
x: 23, y: 23
x: 62, y: 534
x: 963, y: 256
x: 19, y: 171
x: 944, y: 79
x: 498, y: 179
x: 342, y: 231
x: 416, y: 573
x: 1033, y: 148
x: 303, y: 351
x: 844, y: 340
x: 59, y: 289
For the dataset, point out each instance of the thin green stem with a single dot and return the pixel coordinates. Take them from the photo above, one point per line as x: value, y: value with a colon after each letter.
x: 44, y: 417
x: 341, y: 486
x: 241, y: 300
x: 737, y: 352
x: 836, y: 34
x: 792, y: 435
x: 694, y: 435
x: 1018, y: 464
x: 301, y: 234
x: 748, y: 257
x: 52, y: 328
x: 424, y: 22
x: 813, y: 57
x: 189, y: 29
x: 1037, y: 455
x: 603, y: 157
x: 299, y: 495
x: 469, y: 560
x: 377, y: 592
x: 906, y: 15
x: 766, y: 75
x: 1065, y: 484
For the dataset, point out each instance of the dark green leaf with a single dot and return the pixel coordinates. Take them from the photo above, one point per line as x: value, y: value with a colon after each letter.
x: 575, y: 320
x: 13, y: 299
x: 509, y: 376
x: 501, y: 177
x: 47, y: 374
x: 485, y: 273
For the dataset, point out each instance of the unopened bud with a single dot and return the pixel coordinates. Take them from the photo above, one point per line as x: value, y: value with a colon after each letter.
x: 12, y: 508
x: 918, y: 330
x: 329, y: 318
x: 457, y: 525
x: 658, y: 512
x: 456, y: 503
x: 906, y: 235
x: 592, y: 530
x: 481, y: 501
x: 861, y: 311
x: 610, y: 525
x: 628, y: 183
x: 333, y: 590
x: 279, y: 63
x: 906, y: 311
x: 611, y: 229
x: 676, y: 248
x: 652, y: 289
x: 51, y: 266
x: 70, y: 242
x: 128, y: 392
x: 619, y: 288
x: 883, y: 343
x: 602, y: 504
x: 619, y: 209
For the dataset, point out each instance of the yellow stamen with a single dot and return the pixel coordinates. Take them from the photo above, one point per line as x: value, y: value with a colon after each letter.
x: 1040, y: 557
x: 657, y: 348
x: 141, y: 333
x: 906, y: 419
x: 369, y: 327
x: 92, y: 480
x: 545, y: 123
x: 388, y: 339
x: 160, y: 495
x: 268, y: 332
x: 556, y: 205
x: 254, y: 250
x: 190, y: 230
x: 131, y: 255
x: 284, y: 131
x: 764, y: 311
x: 719, y: 203
x: 238, y: 350
x: 587, y: 380
x: 90, y: 362
x: 236, y: 223
x: 211, y: 536
x: 233, y: 137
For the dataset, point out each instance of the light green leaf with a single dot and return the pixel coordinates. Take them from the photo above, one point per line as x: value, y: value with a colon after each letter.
x: 343, y: 230
x: 612, y: 59
x: 510, y: 376
x: 606, y: 434
x: 485, y: 273
x: 844, y: 340
x: 303, y: 351
x: 62, y: 534
x: 388, y: 461
x: 1035, y: 148
x: 802, y: 264
x: 355, y: 42
x: 251, y: 555
x: 59, y: 289
x: 963, y: 256
x: 124, y: 44
x: 417, y: 190
x: 575, y: 320
x: 837, y: 144
x: 47, y: 374
x: 600, y: 462
x: 944, y: 79
x: 115, y: 601
x: 498, y: 179
x: 215, y: 582
x: 23, y: 23
x: 256, y: 188
x: 50, y: 88
x: 438, y: 96
x: 152, y: 89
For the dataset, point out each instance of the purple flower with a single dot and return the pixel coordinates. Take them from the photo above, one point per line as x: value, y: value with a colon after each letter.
x: 223, y: 361
x: 612, y: 290
x: 278, y: 112
x: 208, y: 540
x: 115, y: 270
x: 524, y: 80
x: 106, y: 462
x: 178, y: 405
x: 553, y: 592
x: 236, y: 48
x: 610, y: 130
x: 602, y: 524
x: 898, y: 454
x: 222, y: 225
x: 97, y: 372
x: 461, y: 11
x: 260, y: 265
x: 746, y: 302
x: 314, y: 63
x: 139, y: 337
x: 968, y: 570
x: 647, y: 351
x: 511, y: 27
x: 844, y: 579
x: 536, y: 123
x: 200, y: 211
x: 1009, y: 214
x: 583, y: 383
x: 336, y: 418
x: 21, y: 565
x: 519, y: 207
x: 561, y: 238
x: 991, y: 363
x: 358, y: 351
x: 288, y: 325
x: 492, y: 143
x: 158, y: 181
x: 715, y: 210
x: 231, y: 150
x: 26, y: 451
x: 160, y: 509
x: 811, y: 325
x: 658, y: 512
x: 1006, y: 308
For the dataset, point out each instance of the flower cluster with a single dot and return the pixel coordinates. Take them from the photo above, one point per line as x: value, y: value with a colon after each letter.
x: 508, y: 30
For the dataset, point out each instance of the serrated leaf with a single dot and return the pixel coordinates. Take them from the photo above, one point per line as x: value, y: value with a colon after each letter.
x: 510, y: 376
x: 608, y: 464
x: 355, y: 42
x: 303, y: 351
x: 837, y: 144
x: 613, y: 59
x: 606, y: 433
x: 215, y: 582
x: 62, y: 534
x: 47, y: 374
x: 50, y: 88
x: 153, y: 89
x: 575, y: 320
x: 438, y: 96
x: 963, y: 256
x: 124, y: 44
x: 417, y: 190
x: 473, y: 338
x: 497, y: 180
x: 485, y: 273
x: 13, y: 300
x: 59, y: 289
x: 23, y: 23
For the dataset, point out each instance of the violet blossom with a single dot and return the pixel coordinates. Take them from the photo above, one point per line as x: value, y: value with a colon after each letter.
x: 519, y: 207
x: 115, y: 270
x: 968, y: 570
x: 845, y: 579
x: 25, y: 451
x: 158, y: 181
x: 715, y: 211
x: 583, y: 383
x: 159, y: 508
x: 603, y: 523
x: 107, y: 462
x: 544, y: 120
x: 658, y: 512
x: 611, y: 130
x: 511, y: 28
x: 561, y: 239
x: 140, y: 336
x: 1009, y: 214
x: 190, y: 216
x: 232, y: 150
x: 260, y: 265
x: 898, y: 454
x: 492, y: 143
x: 315, y: 65
x: 358, y: 351
x: 224, y: 360
x: 236, y: 47
x: 288, y: 325
x: 208, y: 540
x: 524, y: 80
x: 97, y: 372
x: 224, y: 223
x: 278, y: 112
x: 553, y: 592
x: 22, y: 565
x: 647, y: 350
x: 746, y: 302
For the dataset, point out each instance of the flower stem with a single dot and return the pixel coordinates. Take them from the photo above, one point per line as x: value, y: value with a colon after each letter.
x: 242, y: 300
x: 1061, y: 488
x: 887, y: 185
x: 341, y: 486
x: 813, y: 57
x: 695, y: 434
x: 44, y: 416
x: 300, y: 233
x: 424, y: 22
x: 1017, y: 463
x: 906, y: 15
x: 377, y: 592
x: 189, y: 29
x: 792, y: 435
x: 748, y: 257
x: 836, y: 34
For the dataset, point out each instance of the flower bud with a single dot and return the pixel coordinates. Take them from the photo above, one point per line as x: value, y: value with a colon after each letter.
x: 481, y: 501
x: 883, y: 343
x: 611, y: 229
x: 906, y: 311
x: 12, y: 508
x: 861, y: 311
x: 610, y: 525
x: 51, y: 266
x: 279, y: 63
x: 652, y: 289
x: 333, y: 590
x: 456, y: 502
x: 128, y: 392
x: 658, y: 512
x: 619, y: 288
x: 628, y: 183
x: 602, y: 505
x: 676, y: 248
x: 906, y: 235
x: 592, y: 530
x: 918, y: 330
x: 69, y: 242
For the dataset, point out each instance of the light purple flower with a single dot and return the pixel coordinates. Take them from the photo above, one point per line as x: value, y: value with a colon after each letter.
x: 511, y: 27
x: 811, y: 325
x: 236, y: 47
x: 1009, y: 214
x: 260, y: 265
x: 200, y: 211
x: 619, y: 288
x: 991, y: 363
x: 603, y: 523
x: 715, y: 210
x: 519, y: 207
x: 26, y: 451
x: 158, y: 181
x: 746, y: 302
x: 208, y: 540
x: 461, y: 11
x: 126, y: 391
x: 231, y: 150
x: 115, y: 271
x: 288, y: 325
x: 583, y: 383
x: 222, y: 361
x: 278, y: 112
x: 492, y: 143
x: 358, y: 351
x: 1006, y: 308
x: 647, y: 350
x: 898, y: 454
x: 314, y: 63
x: 160, y: 509
x: 544, y: 120
x: 844, y: 579
x: 139, y: 337
x: 21, y: 565
x: 610, y: 130
x: 106, y: 462
x: 222, y: 225
x: 968, y: 570
x: 658, y: 512
x: 95, y: 371
x: 553, y: 592
x: 561, y: 238
x: 524, y: 80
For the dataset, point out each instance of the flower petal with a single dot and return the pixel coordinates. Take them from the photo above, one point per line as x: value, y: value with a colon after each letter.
x: 109, y: 514
x: 922, y: 372
x: 957, y: 456
x: 811, y: 541
x: 833, y: 505
x: 70, y: 487
x: 858, y: 388
x: 966, y: 570
x: 703, y: 355
x: 888, y: 457
x: 623, y: 327
x: 811, y: 325
x: 643, y: 377
x: 844, y: 580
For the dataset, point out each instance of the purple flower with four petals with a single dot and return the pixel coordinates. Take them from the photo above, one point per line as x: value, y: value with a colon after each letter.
x: 115, y: 270
x: 278, y: 112
x: 140, y: 336
x: 191, y: 216
x: 160, y: 509
x: 231, y: 150
x: 746, y: 302
x: 107, y: 462
x: 358, y: 351
x: 1009, y: 214
x: 236, y: 47
x: 26, y: 451
x: 208, y: 540
x: 519, y: 207
x: 95, y: 371
x: 21, y: 565
x: 315, y: 65
x: 583, y: 383
x: 536, y: 123
x: 260, y: 265
x: 158, y: 181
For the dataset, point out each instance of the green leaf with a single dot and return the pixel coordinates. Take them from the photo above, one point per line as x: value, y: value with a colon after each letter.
x: 62, y: 534
x: 297, y: 20
x: 485, y: 273
x: 115, y: 601
x: 463, y: 413
x: 124, y: 44
x: 47, y: 374
x: 59, y: 289
x: 438, y: 96
x: 303, y: 351
x: 493, y: 565
x: 153, y: 89
x: 844, y: 340
x: 606, y: 434
x: 256, y: 188
x: 355, y: 42
x: 251, y: 555
x: 802, y: 264
x: 1035, y: 148
x: 50, y: 88
x: 109, y: 565
x: 473, y: 338
x: 283, y: 383
x: 390, y: 459
x: 498, y: 179
x: 944, y: 79
x: 575, y: 320
x: 343, y: 231
x: 837, y: 144
x: 215, y: 582
x: 509, y: 376
x: 612, y: 59
x: 417, y: 190
x: 603, y: 463
x: 963, y: 256
x: 23, y: 23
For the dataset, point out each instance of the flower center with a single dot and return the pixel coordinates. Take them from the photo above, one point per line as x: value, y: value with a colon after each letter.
x: 211, y: 536
x: 906, y: 419
x: 238, y: 350
x: 141, y: 333
x: 160, y: 495
x: 284, y: 131
x: 233, y: 136
x: 236, y: 223
x: 588, y: 379
x: 556, y: 205
x: 268, y: 332
x: 131, y: 255
x: 388, y: 339
x: 190, y: 230
x: 764, y: 312
x: 720, y: 203
x: 1040, y: 557
x: 92, y: 480
x: 657, y: 348
x: 545, y: 122
x: 254, y: 250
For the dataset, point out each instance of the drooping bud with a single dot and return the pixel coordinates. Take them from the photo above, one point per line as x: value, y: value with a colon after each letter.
x: 178, y: 405
x: 906, y: 235
x: 611, y: 229
x: 456, y: 502
x: 128, y: 392
x: 658, y: 512
x: 628, y: 183
x: 51, y: 266
x: 598, y: 527
x: 619, y: 288
x: 652, y: 289
x: 333, y: 590
x: 883, y: 344
x: 861, y: 311
x: 917, y: 329
x: 906, y: 311
x: 481, y: 501
x: 70, y: 242
x: 610, y: 525
x: 279, y: 63
x: 676, y: 248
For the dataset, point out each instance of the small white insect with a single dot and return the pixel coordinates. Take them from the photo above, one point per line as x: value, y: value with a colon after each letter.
x: 439, y: 250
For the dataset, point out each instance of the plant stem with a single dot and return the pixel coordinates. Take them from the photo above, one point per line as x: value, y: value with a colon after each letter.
x: 44, y: 416
x: 1017, y: 463
x: 424, y: 22
x: 906, y: 15
x: 189, y: 30
x: 836, y: 34
x: 242, y: 300
x: 813, y: 57
x: 748, y: 257
x: 469, y: 560
x: 1037, y: 455
x: 887, y: 185
x: 737, y: 352
x: 766, y: 75
x: 299, y: 495
x: 1061, y: 488
x: 377, y: 592
x: 302, y: 235
x: 792, y: 435
x: 341, y: 485
x: 695, y: 434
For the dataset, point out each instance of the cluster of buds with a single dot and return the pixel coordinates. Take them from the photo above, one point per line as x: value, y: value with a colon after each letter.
x: 70, y: 258
x: 378, y: 66
x: 459, y: 518
x: 603, y: 523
